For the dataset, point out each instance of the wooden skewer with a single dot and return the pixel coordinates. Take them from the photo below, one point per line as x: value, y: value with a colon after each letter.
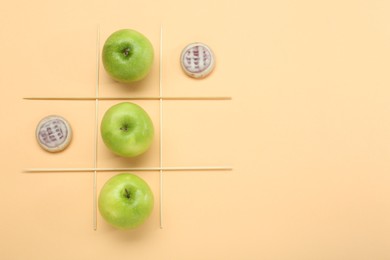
x: 128, y: 98
x: 96, y: 129
x: 151, y: 169
x: 161, y: 127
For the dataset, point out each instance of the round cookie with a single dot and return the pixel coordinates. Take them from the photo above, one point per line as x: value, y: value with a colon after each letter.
x: 197, y: 60
x: 53, y: 133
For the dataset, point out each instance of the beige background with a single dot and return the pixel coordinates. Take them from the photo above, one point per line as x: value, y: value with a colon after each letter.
x: 307, y: 131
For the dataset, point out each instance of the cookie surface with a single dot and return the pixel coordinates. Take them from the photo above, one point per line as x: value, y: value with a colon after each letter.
x: 197, y: 60
x: 53, y: 133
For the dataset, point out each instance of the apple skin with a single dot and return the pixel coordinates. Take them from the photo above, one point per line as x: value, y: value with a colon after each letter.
x: 125, y: 201
x: 127, y: 56
x: 127, y: 129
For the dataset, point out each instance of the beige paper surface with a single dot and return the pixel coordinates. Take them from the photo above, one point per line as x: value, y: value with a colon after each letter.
x: 307, y: 130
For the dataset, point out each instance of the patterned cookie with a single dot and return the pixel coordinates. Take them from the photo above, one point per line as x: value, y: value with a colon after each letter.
x: 197, y: 60
x: 53, y: 133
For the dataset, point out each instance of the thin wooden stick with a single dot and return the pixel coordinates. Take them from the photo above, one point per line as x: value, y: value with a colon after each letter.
x: 161, y: 127
x: 96, y: 129
x: 127, y: 98
x: 146, y: 169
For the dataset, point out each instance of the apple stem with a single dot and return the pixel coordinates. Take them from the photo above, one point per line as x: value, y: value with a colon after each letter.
x: 124, y: 128
x: 127, y: 194
x: 126, y: 52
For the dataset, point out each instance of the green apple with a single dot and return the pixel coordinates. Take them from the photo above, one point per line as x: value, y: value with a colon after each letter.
x: 127, y: 129
x: 125, y: 201
x: 127, y: 56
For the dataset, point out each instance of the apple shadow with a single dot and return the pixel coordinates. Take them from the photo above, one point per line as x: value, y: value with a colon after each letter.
x: 116, y: 161
x: 137, y: 88
x: 141, y: 83
x: 128, y: 235
x: 129, y: 88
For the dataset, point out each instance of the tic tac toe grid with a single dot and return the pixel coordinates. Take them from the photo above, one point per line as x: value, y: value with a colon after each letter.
x: 161, y: 169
